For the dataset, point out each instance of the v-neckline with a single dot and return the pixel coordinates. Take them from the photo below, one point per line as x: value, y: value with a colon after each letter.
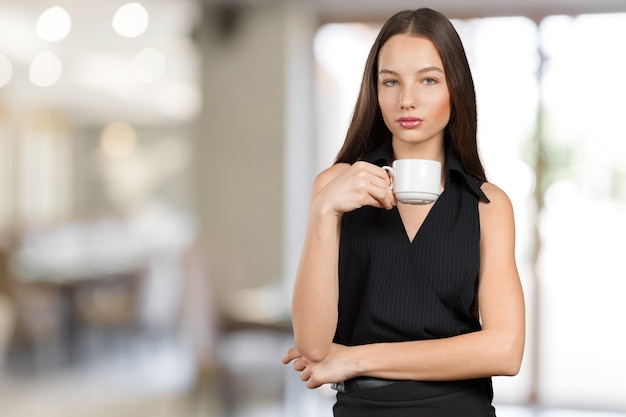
x: 405, y: 230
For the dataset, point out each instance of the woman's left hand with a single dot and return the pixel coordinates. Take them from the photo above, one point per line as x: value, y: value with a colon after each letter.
x: 335, y: 367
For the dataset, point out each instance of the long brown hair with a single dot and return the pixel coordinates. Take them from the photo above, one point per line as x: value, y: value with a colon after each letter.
x: 367, y: 129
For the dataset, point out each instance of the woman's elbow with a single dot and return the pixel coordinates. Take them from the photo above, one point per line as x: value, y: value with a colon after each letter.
x: 510, y: 361
x: 511, y: 367
x: 316, y: 355
x: 315, y: 352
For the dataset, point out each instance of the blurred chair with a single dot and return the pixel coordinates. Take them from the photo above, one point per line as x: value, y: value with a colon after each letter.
x: 238, y: 358
x: 7, y: 314
x: 106, y: 310
x: 36, y: 314
x: 7, y: 318
x: 251, y: 371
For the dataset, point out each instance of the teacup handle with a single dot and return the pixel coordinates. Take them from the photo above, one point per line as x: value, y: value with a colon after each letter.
x: 390, y: 172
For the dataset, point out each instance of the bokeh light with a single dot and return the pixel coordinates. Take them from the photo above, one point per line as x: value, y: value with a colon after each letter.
x: 46, y: 69
x: 54, y: 24
x: 6, y: 70
x: 118, y: 139
x: 148, y: 65
x: 131, y: 20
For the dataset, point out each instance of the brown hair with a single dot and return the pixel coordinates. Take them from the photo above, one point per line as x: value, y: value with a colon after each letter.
x: 367, y: 130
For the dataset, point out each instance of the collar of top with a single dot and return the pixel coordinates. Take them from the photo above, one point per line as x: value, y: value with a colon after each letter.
x: 383, y: 155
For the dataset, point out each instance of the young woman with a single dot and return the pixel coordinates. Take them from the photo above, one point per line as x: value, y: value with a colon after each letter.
x: 408, y: 310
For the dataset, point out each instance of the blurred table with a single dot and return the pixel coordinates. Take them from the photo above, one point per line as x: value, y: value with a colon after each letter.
x: 96, y: 269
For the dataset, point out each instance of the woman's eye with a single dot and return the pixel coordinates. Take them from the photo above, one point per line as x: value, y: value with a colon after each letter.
x: 390, y: 83
x: 429, y: 80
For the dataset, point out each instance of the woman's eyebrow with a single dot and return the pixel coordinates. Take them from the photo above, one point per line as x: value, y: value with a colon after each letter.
x: 430, y: 69
x: 386, y: 71
x: 421, y: 71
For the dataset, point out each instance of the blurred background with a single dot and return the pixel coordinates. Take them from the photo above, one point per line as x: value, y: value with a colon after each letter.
x: 156, y: 159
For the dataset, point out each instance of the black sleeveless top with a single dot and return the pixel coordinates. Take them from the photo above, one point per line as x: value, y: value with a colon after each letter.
x: 393, y: 289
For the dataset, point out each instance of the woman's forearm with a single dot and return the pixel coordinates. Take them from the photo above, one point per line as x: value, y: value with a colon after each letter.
x: 467, y: 356
x: 474, y: 355
x: 340, y: 189
x: 315, y: 297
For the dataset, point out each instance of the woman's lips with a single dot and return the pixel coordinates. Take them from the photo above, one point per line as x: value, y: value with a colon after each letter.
x: 409, y: 122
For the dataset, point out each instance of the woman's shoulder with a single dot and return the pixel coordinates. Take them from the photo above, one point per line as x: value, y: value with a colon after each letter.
x: 328, y: 174
x: 333, y: 170
x: 495, y: 194
x: 499, y: 205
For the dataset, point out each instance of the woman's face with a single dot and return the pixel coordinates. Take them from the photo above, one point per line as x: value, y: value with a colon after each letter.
x: 412, y: 90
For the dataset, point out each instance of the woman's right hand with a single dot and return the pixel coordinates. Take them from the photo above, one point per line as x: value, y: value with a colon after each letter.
x: 343, y: 188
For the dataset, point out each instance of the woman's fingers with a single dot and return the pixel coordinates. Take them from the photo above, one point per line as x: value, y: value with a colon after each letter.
x: 305, y: 375
x: 354, y: 186
x: 371, y: 184
x: 382, y: 192
x: 291, y: 355
x: 299, y: 364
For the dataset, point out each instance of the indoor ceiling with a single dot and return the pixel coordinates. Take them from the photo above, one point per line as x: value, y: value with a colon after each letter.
x: 96, y: 85
x: 97, y: 82
x: 536, y: 9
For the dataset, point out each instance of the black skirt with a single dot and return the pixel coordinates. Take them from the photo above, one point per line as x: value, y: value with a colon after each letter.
x: 469, y: 398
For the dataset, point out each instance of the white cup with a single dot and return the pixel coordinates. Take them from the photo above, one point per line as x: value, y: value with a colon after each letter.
x: 415, y: 181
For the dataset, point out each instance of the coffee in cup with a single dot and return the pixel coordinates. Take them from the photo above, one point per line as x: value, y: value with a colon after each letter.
x: 415, y: 181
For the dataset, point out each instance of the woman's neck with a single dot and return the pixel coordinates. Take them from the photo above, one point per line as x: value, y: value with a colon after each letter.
x: 430, y: 150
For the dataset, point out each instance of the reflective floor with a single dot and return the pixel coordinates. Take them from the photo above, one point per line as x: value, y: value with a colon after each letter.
x: 156, y: 378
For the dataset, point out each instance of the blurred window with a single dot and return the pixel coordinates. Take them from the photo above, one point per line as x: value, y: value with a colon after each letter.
x: 583, y: 221
x: 44, y: 169
x: 7, y: 177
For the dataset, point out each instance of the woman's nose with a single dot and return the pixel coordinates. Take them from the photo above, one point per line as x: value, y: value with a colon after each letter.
x: 408, y: 98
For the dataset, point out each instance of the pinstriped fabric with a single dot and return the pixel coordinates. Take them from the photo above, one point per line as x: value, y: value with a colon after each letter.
x: 394, y: 289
